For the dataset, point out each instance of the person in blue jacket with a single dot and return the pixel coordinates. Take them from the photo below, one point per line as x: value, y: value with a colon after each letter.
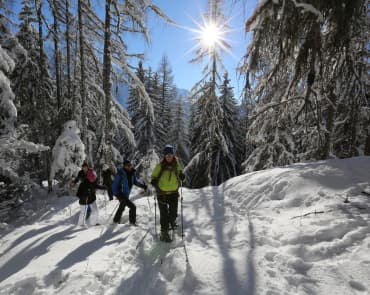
x: 122, y: 184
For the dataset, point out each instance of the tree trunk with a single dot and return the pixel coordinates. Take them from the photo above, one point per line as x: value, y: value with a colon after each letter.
x: 43, y: 164
x: 56, y: 58
x: 107, y: 85
x: 367, y: 146
x: 82, y: 73
x: 328, y: 143
x: 68, y: 48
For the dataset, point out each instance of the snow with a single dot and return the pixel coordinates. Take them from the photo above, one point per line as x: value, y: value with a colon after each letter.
x: 309, y: 8
x: 280, y: 231
x: 7, y: 108
x: 68, y: 151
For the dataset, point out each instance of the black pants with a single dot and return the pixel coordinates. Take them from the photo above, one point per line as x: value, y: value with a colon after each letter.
x: 167, y: 209
x: 110, y: 193
x: 124, y: 201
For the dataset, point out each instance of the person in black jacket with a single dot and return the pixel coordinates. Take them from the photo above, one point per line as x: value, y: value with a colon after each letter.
x: 108, y: 177
x: 86, y: 193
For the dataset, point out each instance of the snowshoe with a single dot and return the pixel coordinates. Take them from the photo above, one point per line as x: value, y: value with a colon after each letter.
x: 165, y: 237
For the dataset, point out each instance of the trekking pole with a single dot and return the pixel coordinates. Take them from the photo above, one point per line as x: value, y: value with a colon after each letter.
x: 155, y: 216
x: 105, y: 204
x: 85, y: 212
x: 182, y: 224
x: 182, y: 215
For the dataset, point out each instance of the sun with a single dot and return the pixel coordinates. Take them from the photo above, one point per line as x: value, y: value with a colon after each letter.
x: 210, y: 35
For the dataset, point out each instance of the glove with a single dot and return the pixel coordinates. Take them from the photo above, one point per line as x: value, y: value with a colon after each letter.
x: 154, y: 182
x: 182, y: 176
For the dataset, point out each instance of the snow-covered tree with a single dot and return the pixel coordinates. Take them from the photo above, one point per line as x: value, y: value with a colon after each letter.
x: 179, y: 132
x: 32, y: 82
x: 229, y: 162
x: 142, y: 122
x: 208, y: 141
x: 122, y: 18
x: 8, y: 112
x: 167, y: 94
x: 306, y: 63
x: 68, y: 153
x: 160, y: 133
x: 15, y: 182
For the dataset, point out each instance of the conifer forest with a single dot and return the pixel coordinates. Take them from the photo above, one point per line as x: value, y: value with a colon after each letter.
x: 305, y: 94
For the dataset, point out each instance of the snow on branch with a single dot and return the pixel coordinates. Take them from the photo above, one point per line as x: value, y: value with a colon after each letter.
x: 309, y: 8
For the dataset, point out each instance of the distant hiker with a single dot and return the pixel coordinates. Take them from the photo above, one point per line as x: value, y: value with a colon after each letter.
x: 122, y: 184
x: 108, y: 177
x: 166, y: 178
x: 86, y: 193
x: 81, y: 176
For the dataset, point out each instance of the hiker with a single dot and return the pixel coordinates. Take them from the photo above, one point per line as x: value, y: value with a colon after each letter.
x: 166, y: 179
x: 108, y: 177
x: 86, y: 193
x: 122, y: 184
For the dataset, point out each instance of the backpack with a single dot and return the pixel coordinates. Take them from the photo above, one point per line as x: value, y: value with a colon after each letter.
x: 91, y: 175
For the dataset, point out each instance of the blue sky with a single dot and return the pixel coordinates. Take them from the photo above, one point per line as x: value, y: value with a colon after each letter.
x: 176, y: 41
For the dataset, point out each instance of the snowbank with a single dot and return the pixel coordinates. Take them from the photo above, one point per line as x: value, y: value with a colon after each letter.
x: 281, y: 231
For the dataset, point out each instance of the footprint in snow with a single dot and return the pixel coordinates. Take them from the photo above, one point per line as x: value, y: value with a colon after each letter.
x: 357, y: 286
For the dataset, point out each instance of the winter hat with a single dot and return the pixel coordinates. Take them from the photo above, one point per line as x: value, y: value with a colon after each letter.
x: 84, y: 164
x: 126, y: 162
x: 168, y: 150
x: 91, y: 175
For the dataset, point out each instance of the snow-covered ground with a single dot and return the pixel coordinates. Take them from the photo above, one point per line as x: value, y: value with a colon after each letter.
x: 280, y: 231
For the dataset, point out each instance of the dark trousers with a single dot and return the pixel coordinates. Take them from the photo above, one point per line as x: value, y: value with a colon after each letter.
x: 110, y: 193
x: 124, y: 201
x: 167, y: 210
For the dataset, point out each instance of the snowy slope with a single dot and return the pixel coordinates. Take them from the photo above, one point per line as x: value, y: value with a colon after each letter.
x: 279, y: 231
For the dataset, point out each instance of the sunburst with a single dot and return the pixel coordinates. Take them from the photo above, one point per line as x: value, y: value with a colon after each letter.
x: 212, y: 35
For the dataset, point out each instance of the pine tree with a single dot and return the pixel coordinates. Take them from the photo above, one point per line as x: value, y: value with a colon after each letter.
x: 160, y: 133
x: 229, y: 164
x: 179, y: 133
x: 163, y: 117
x: 33, y: 85
x: 121, y: 18
x: 306, y: 64
x: 14, y: 150
x: 141, y: 120
x: 208, y: 141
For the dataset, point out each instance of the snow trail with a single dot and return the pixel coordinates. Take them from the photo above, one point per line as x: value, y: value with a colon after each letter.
x: 259, y: 233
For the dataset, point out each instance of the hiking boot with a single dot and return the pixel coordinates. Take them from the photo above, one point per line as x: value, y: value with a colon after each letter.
x: 165, y: 237
x: 133, y: 223
x: 173, y: 225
